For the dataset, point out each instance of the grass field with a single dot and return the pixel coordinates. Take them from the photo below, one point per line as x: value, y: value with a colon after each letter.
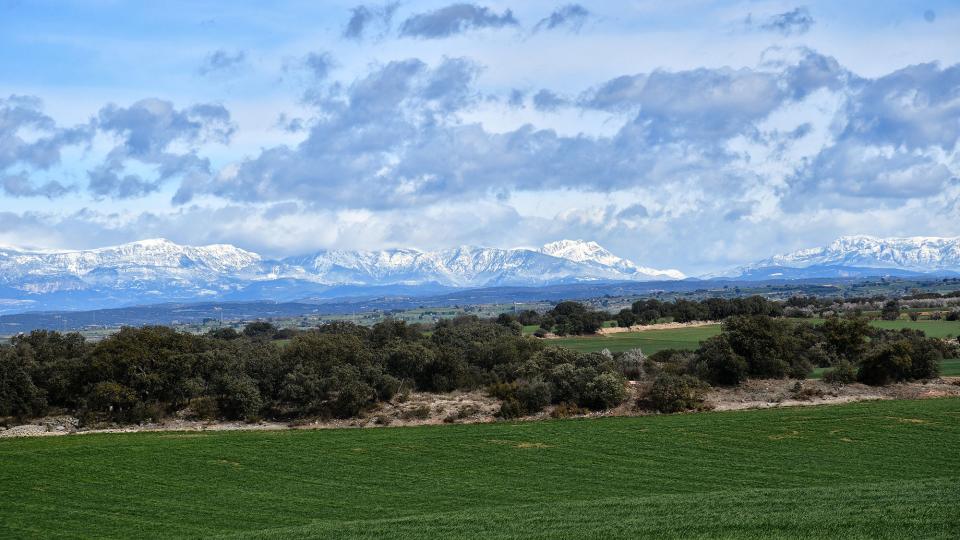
x: 885, y: 469
x: 948, y: 368
x: 650, y: 341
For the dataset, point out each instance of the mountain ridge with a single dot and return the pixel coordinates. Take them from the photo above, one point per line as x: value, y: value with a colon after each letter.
x: 157, y: 270
x: 860, y: 256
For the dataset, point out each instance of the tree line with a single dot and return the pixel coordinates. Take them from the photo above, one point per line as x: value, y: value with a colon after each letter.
x: 337, y: 370
x: 342, y: 369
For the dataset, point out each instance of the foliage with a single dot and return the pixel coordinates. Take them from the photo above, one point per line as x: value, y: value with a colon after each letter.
x: 717, y: 363
x: 675, y: 393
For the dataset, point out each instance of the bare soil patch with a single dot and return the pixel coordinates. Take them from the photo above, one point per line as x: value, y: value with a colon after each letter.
x: 660, y: 326
x: 419, y: 408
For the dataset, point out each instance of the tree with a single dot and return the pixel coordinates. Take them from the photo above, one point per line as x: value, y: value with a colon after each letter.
x: 626, y: 318
x: 887, y: 363
x: 19, y: 396
x: 260, y: 330
x: 717, y: 363
x: 676, y: 393
x: 890, y: 311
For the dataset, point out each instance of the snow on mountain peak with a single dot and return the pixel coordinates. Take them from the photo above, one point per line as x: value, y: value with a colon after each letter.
x: 913, y: 253
x: 591, y: 252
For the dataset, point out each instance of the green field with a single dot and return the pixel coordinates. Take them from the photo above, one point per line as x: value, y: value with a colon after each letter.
x: 884, y: 469
x: 649, y: 341
x: 935, y: 329
x: 948, y: 368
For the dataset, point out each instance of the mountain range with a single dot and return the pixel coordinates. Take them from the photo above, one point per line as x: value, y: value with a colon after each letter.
x: 157, y: 270
x: 861, y: 256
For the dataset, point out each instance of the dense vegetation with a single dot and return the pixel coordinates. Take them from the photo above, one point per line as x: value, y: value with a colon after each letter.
x: 767, y: 348
x: 343, y: 370
x: 337, y: 370
x: 883, y: 469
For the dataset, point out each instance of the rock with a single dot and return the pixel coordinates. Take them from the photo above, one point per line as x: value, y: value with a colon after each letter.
x: 29, y: 430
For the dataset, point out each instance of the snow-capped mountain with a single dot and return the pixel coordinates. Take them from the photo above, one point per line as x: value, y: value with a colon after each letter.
x: 857, y: 256
x: 592, y: 252
x: 158, y: 270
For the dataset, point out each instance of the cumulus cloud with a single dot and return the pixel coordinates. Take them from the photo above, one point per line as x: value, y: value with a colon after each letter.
x: 365, y: 17
x: 454, y: 19
x: 318, y: 64
x: 548, y: 101
x: 19, y: 185
x: 794, y: 22
x: 516, y: 97
x: 916, y: 107
x: 571, y: 16
x: 31, y: 141
x: 146, y: 131
x: 222, y: 61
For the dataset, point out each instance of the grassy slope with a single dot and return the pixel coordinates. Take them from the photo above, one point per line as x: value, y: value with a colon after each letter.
x: 878, y: 469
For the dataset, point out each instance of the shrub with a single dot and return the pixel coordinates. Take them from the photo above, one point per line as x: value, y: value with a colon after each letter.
x: 567, y: 410
x: 717, y: 363
x: 115, y: 399
x: 19, y: 396
x: 510, y: 408
x: 204, y: 408
x: 671, y: 393
x: 887, y: 363
x: 421, y: 412
x: 842, y: 373
x: 632, y: 364
x: 260, y: 330
x: 238, y: 397
x: 533, y: 396
x: 606, y: 391
x: 890, y: 311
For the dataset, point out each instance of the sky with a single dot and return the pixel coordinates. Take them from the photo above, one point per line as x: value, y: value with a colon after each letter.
x: 687, y: 134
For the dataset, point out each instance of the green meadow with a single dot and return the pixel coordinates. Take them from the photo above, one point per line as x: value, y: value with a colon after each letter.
x: 649, y: 341
x: 883, y: 469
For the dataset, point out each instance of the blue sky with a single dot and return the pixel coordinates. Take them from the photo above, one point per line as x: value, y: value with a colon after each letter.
x: 695, y: 135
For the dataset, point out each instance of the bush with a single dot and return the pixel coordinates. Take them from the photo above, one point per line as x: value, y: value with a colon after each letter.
x: 238, y: 397
x: 19, y: 396
x: 632, y: 364
x: 567, y: 410
x: 421, y: 412
x: 509, y: 409
x: 204, y: 408
x: 606, y: 391
x: 717, y: 363
x: 887, y: 363
x: 842, y: 373
x: 114, y: 399
x: 672, y: 393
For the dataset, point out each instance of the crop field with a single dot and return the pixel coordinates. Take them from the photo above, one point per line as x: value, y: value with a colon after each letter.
x: 649, y: 341
x: 882, y: 469
x: 936, y: 329
x: 948, y: 368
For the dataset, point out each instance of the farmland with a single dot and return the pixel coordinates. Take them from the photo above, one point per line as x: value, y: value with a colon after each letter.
x: 651, y: 341
x: 874, y: 469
